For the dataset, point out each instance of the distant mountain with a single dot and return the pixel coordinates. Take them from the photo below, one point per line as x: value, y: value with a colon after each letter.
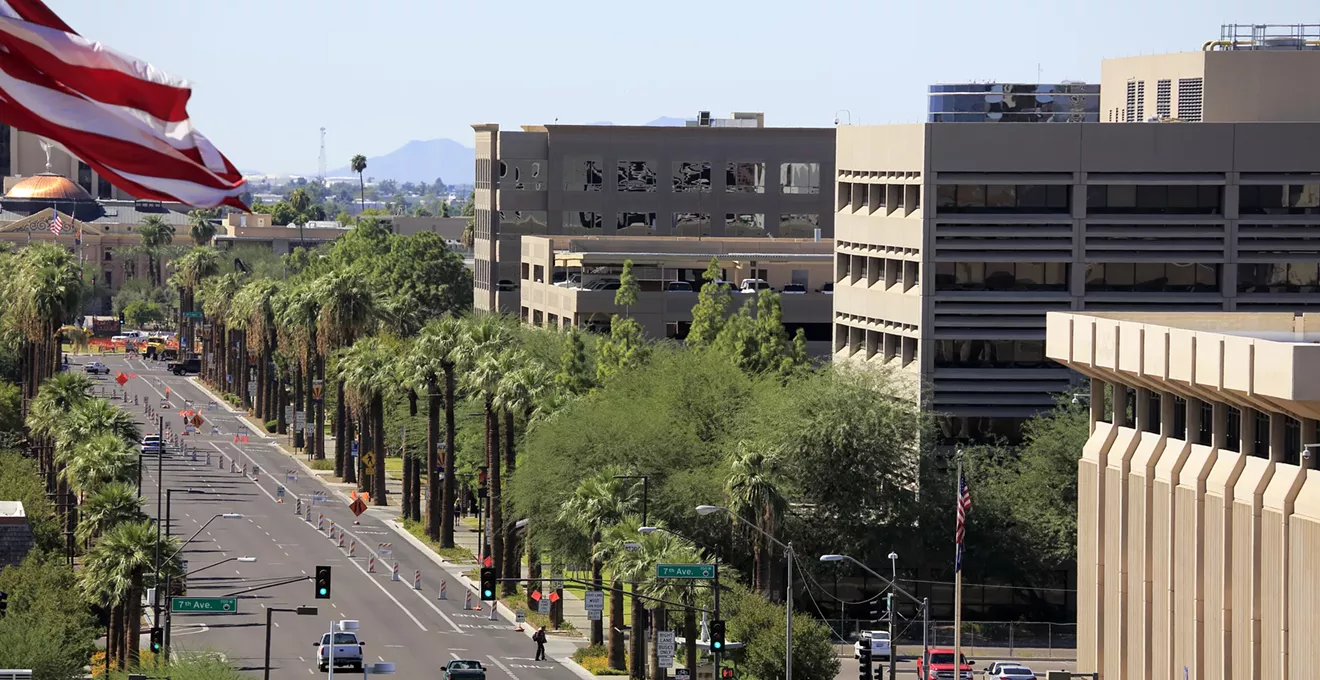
x: 669, y: 121
x: 421, y: 160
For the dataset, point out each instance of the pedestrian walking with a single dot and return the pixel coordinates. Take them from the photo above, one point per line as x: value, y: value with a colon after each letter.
x: 539, y: 638
x: 458, y: 510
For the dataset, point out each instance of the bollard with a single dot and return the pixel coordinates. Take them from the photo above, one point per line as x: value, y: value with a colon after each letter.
x: 492, y: 611
x: 208, y: 458
x: 394, y: 573
x: 332, y: 530
x: 298, y: 510
x: 467, y: 601
x: 417, y: 580
x: 232, y: 466
x: 308, y: 518
x: 244, y: 469
x: 320, y: 522
x: 341, y: 539
x: 194, y: 455
x: 442, y: 591
x: 371, y: 564
x: 352, y: 547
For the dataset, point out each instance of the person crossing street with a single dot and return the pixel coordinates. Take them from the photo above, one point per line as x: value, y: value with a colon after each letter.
x: 539, y: 638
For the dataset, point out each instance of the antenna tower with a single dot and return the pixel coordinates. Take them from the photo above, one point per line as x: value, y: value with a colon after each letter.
x: 321, y: 166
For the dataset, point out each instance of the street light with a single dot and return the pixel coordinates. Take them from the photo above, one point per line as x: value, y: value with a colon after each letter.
x: 224, y: 561
x: 924, y: 603
x: 169, y: 501
x: 300, y: 611
x: 156, y: 605
x: 715, y: 573
x: 788, y: 588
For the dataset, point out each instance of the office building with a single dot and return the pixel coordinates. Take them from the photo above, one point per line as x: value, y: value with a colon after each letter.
x: 240, y: 229
x: 1251, y: 73
x: 731, y: 177
x: 558, y: 273
x: 1065, y: 102
x: 1198, y: 493
x: 954, y: 241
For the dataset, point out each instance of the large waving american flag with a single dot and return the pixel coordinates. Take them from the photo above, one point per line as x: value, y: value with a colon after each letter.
x: 123, y: 117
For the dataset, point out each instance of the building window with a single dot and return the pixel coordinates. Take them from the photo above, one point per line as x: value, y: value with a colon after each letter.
x: 1001, y: 276
x: 980, y: 430
x: 1131, y: 112
x: 1163, y: 98
x: 85, y: 177
x: 990, y: 354
x: 1292, y: 441
x: 109, y: 279
x: 5, y: 162
x: 691, y: 176
x: 745, y: 178
x: 799, y: 178
x: 636, y: 224
x: 636, y: 176
x: 1003, y: 198
x: 1133, y: 277
x: 1141, y: 100
x: 583, y: 174
x: 104, y: 189
x: 1154, y: 199
x: 1279, y: 199
x: 691, y: 224
x: 744, y: 224
x: 582, y: 222
x: 523, y: 222
x: 1189, y: 99
x: 798, y: 226
x: 1278, y: 277
x: 107, y: 256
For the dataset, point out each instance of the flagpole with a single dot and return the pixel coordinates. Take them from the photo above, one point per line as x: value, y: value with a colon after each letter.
x: 957, y: 577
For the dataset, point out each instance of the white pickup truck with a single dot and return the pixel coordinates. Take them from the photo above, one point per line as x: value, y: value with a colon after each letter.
x: 877, y: 640
x: 347, y: 651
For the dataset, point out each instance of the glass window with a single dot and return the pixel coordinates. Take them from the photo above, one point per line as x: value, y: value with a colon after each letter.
x: 1279, y: 199
x: 1126, y: 277
x: 946, y: 197
x: 1002, y: 276
x: 636, y: 176
x: 104, y: 189
x: 798, y: 225
x: 748, y: 224
x: 1000, y: 196
x: 691, y: 224
x: 1157, y: 199
x: 582, y: 222
x: 1003, y: 198
x: 85, y: 177
x: 745, y: 178
x: 523, y: 222
x: 583, y: 174
x: 691, y: 176
x: 799, y: 178
x: 636, y: 224
x: 971, y: 196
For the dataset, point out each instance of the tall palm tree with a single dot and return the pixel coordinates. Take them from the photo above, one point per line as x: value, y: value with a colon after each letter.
x: 433, y: 361
x: 671, y: 551
x: 49, y: 413
x: 217, y: 296
x: 756, y: 491
x: 156, y: 235
x: 98, y: 416
x: 299, y: 318
x: 103, y: 459
x: 115, y: 572
x: 349, y: 309
x: 252, y: 311
x: 107, y: 506
x: 201, y: 226
x: 189, y: 271
x: 598, y: 502
x: 45, y: 291
x: 301, y: 203
x: 489, y: 365
x: 632, y: 558
x: 359, y: 165
x: 366, y: 369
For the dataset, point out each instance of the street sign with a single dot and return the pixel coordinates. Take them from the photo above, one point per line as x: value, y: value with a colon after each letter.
x: 353, y: 448
x: 121, y: 379
x: 192, y: 315
x: 204, y: 605
x: 358, y: 507
x: 369, y: 460
x: 557, y: 581
x: 682, y: 673
x: 664, y: 648
x: 543, y: 606
x: 594, y: 600
x: 593, y: 615
x: 300, y: 421
x: 521, y: 616
x: 684, y: 571
x: 252, y: 387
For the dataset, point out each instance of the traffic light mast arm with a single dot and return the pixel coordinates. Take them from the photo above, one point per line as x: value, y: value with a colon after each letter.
x: 270, y: 585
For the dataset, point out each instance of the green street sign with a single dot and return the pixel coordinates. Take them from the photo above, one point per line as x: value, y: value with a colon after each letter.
x: 192, y: 315
x: 204, y: 605
x: 685, y: 571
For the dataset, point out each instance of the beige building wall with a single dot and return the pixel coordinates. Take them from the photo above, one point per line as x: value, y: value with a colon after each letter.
x: 1198, y: 515
x: 27, y: 158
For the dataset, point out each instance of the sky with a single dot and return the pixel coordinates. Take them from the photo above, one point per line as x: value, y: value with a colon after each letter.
x: 268, y: 74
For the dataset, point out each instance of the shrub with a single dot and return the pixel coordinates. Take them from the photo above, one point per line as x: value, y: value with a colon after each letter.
x: 595, y: 659
x: 272, y: 425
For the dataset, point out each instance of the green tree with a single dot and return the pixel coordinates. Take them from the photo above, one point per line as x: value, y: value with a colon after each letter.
x: 574, y: 376
x: 47, y: 627
x: 367, y: 369
x: 114, y: 574
x: 711, y: 310
x: 349, y: 309
x: 760, y: 625
x: 142, y: 314
x: 201, y: 225
x: 100, y: 460
x: 20, y: 481
x: 626, y: 295
x: 737, y: 340
x: 359, y: 165
x: 156, y: 236
x: 434, y: 363
x: 756, y: 488
x: 106, y: 507
x: 626, y: 348
x: 598, y: 502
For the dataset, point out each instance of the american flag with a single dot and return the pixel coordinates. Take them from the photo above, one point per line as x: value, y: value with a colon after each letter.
x: 123, y: 117
x: 964, y: 507
x: 56, y: 224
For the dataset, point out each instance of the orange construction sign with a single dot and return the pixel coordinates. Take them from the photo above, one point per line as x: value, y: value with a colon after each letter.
x: 357, y: 506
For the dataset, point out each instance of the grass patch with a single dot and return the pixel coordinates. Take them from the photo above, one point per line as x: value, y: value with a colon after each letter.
x: 455, y: 554
x: 323, y: 464
x: 535, y: 619
x: 394, y: 465
x: 595, y: 659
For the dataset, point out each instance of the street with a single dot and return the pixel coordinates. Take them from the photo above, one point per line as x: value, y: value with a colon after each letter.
x: 411, y: 628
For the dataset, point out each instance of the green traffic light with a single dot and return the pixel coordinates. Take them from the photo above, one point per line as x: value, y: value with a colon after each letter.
x: 487, y: 593
x: 323, y: 591
x: 719, y: 645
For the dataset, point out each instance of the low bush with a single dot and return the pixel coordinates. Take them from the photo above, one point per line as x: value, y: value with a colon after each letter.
x: 595, y: 659
x: 272, y: 425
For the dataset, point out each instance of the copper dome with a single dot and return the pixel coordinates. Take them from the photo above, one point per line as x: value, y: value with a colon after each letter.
x: 47, y: 187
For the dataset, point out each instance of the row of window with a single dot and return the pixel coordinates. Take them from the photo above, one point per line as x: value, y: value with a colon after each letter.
x: 793, y: 225
x: 991, y: 354
x: 1257, y: 444
x: 588, y: 174
x: 1005, y: 198
x: 1114, y: 199
x: 1039, y: 276
x: 1100, y: 276
x: 1279, y: 277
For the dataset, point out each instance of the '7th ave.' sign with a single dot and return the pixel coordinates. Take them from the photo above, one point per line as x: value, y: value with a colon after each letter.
x: 685, y: 571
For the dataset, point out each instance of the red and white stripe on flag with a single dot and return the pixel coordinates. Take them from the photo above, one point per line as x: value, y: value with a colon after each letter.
x: 964, y: 506
x: 121, y: 116
x: 57, y: 224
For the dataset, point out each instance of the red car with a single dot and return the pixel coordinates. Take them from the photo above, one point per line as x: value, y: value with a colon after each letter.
x: 941, y: 666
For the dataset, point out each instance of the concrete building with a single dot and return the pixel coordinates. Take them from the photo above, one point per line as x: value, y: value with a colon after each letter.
x: 953, y: 241
x: 1252, y: 73
x: 1065, y: 102
x: 669, y: 274
x: 256, y: 229
x: 21, y: 155
x: 1198, y: 499
x: 739, y: 179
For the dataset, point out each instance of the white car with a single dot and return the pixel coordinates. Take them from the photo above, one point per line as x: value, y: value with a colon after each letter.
x: 97, y: 367
x: 347, y: 651
x: 1006, y: 670
x: 878, y: 640
x: 151, y: 444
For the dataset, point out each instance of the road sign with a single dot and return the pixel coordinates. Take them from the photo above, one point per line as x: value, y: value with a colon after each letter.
x: 685, y: 571
x: 664, y: 648
x: 204, y: 605
x: 593, y: 615
x: 300, y: 420
x: 369, y: 461
x: 594, y: 600
x: 357, y: 506
x: 121, y: 379
x: 543, y: 606
x: 192, y: 315
x: 682, y: 673
x: 521, y: 616
x: 557, y: 581
x: 252, y: 387
x: 197, y: 420
x: 318, y: 389
x: 353, y: 448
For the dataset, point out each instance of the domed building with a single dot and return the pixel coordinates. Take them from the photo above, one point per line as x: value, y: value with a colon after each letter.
x: 99, y: 230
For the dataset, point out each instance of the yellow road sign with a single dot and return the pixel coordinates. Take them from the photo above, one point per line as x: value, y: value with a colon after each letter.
x: 368, y: 460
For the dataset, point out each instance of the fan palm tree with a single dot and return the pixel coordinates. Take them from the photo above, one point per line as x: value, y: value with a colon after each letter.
x: 359, y: 165
x: 115, y: 572
x: 301, y: 203
x: 349, y: 309
x: 98, y: 416
x: 755, y: 488
x: 106, y: 507
x: 488, y: 366
x: 670, y: 550
x: 366, y: 369
x: 103, y: 459
x: 189, y: 271
x: 517, y: 395
x: 49, y: 413
x: 598, y: 502
x: 217, y: 296
x: 46, y: 290
x: 156, y: 235
x: 299, y: 316
x: 431, y: 361
x: 201, y: 226
x: 255, y: 302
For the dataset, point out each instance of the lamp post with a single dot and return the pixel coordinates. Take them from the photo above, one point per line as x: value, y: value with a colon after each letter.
x: 715, y: 574
x: 923, y: 603
x: 169, y: 581
x: 646, y: 484
x: 300, y: 611
x: 788, y: 586
x: 169, y: 501
x: 893, y: 572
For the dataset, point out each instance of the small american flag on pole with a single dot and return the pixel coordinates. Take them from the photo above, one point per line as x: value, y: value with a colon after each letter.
x: 56, y: 224
x: 964, y: 507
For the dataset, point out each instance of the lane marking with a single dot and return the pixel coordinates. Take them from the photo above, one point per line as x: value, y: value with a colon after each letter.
x: 502, y: 666
x: 453, y: 655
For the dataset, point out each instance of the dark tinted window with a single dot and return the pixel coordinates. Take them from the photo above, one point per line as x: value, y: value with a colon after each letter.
x: 1158, y: 199
x: 1152, y: 277
x: 1279, y: 199
x: 1038, y: 276
x: 1003, y: 198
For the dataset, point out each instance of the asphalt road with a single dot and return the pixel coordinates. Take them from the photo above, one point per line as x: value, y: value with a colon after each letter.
x: 411, y: 628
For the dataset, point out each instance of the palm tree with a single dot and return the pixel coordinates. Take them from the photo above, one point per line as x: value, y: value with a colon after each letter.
x: 103, y: 459
x: 114, y: 574
x: 301, y: 204
x: 518, y: 394
x: 201, y: 227
x: 365, y: 367
x: 98, y: 416
x: 597, y: 503
x: 349, y: 308
x: 155, y: 235
x: 109, y: 505
x: 46, y: 290
x: 253, y: 312
x: 632, y: 558
x: 755, y: 488
x: 359, y: 165
x: 217, y: 296
x: 299, y: 317
x: 49, y: 413
x: 189, y: 271
x: 670, y: 550
x: 433, y: 356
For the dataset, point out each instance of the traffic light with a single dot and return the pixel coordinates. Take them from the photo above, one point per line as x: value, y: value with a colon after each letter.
x: 488, y: 584
x: 323, y: 583
x: 157, y: 640
x: 716, y: 636
x: 727, y: 674
x: 864, y: 661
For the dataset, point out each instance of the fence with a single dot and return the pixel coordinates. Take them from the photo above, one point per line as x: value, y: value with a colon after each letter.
x: 993, y: 638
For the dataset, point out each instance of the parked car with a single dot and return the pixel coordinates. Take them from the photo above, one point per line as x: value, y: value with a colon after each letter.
x: 794, y: 289
x: 678, y: 287
x: 1005, y: 670
x: 603, y: 284
x: 469, y: 669
x: 941, y: 666
x: 827, y: 289
x: 878, y: 641
x: 566, y: 280
x: 347, y: 651
x: 96, y: 367
x: 753, y: 285
x: 505, y: 285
